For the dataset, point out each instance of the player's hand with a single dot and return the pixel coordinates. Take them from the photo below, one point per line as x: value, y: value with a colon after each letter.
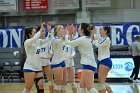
x: 49, y: 26
x: 75, y: 29
x: 42, y: 27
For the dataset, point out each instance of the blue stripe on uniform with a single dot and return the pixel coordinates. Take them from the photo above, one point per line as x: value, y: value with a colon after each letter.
x: 102, y: 41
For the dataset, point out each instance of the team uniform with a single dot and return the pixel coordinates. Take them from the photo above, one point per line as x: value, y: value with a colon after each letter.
x: 69, y: 52
x: 58, y: 59
x: 46, y: 49
x: 103, y: 45
x: 85, y: 48
x: 32, y: 48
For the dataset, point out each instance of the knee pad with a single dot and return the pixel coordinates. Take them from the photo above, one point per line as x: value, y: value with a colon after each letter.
x: 58, y: 87
x: 51, y: 83
x: 25, y: 91
x: 93, y: 90
x: 82, y: 90
x: 101, y: 87
x: 37, y: 86
x: 106, y: 85
x: 64, y: 87
x: 73, y: 85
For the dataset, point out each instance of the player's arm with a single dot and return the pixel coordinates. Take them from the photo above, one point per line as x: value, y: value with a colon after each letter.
x: 29, y: 42
x: 49, y: 36
x: 102, y: 43
x: 75, y: 42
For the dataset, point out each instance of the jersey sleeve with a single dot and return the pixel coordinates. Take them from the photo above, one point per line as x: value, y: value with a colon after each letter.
x: 75, y: 42
x: 102, y: 43
x: 29, y: 42
x: 48, y: 38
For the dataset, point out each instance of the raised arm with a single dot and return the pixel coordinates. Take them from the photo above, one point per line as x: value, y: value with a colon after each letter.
x: 75, y: 42
x: 47, y: 39
x: 29, y: 42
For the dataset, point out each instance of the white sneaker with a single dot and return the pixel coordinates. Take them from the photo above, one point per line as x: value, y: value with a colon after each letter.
x: 136, y: 81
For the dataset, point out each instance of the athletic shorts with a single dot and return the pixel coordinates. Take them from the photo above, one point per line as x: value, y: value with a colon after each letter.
x: 28, y: 70
x: 62, y: 64
x: 106, y: 62
x: 88, y: 67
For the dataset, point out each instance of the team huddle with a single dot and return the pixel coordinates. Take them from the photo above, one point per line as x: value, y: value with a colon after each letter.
x: 54, y: 56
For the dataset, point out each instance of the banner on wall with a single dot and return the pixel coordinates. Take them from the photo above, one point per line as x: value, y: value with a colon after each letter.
x: 11, y: 37
x: 95, y: 3
x: 121, y: 34
x: 121, y: 68
x: 65, y: 4
x: 8, y: 5
x: 35, y: 4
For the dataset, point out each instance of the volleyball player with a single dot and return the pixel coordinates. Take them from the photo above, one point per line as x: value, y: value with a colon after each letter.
x: 46, y: 55
x: 32, y: 67
x: 58, y: 60
x: 87, y: 58
x: 70, y: 54
x: 105, y: 63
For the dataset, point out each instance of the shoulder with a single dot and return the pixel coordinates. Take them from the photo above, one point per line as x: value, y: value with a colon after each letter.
x: 26, y: 41
x: 107, y: 38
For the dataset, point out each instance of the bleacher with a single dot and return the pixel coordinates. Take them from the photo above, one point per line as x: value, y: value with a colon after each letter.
x: 9, y: 64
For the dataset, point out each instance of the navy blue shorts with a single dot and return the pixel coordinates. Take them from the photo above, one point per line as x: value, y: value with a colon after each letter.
x: 89, y: 67
x: 62, y: 64
x: 28, y: 70
x: 106, y: 62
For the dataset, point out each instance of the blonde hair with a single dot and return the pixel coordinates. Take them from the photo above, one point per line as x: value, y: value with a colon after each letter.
x: 56, y: 29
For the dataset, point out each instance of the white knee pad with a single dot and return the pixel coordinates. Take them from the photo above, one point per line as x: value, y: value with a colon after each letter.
x: 58, y: 87
x: 51, y: 83
x: 73, y: 85
x: 82, y: 90
x: 64, y: 87
x: 25, y: 91
x: 101, y: 87
x: 93, y: 90
x: 106, y: 85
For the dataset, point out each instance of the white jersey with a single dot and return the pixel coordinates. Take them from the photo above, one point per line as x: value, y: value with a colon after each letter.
x: 57, y: 49
x: 103, y: 45
x: 85, y: 48
x: 45, y: 50
x: 69, y: 52
x: 32, y: 48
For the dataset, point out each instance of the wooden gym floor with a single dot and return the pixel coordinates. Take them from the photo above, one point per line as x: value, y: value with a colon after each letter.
x: 116, y: 87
